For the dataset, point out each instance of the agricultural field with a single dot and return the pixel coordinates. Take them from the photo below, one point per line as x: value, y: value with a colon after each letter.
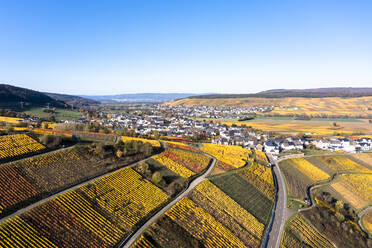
x: 290, y: 106
x: 311, y: 171
x: 98, y: 214
x: 235, y: 156
x: 260, y: 156
x: 246, y: 195
x: 341, y: 163
x: 18, y: 144
x: 182, y: 162
x: 296, y: 182
x: 11, y: 120
x: 60, y: 114
x: 154, y: 143
x: 261, y: 177
x: 364, y: 159
x: 161, y: 176
x: 355, y: 189
x: 35, y: 177
x: 300, y: 173
x: 336, y: 220
x: 62, y: 133
x: 179, y: 145
x: 207, y: 217
x: 291, y: 126
x: 299, y: 233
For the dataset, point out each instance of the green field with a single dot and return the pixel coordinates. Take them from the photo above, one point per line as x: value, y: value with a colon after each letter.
x: 61, y: 114
x: 244, y: 193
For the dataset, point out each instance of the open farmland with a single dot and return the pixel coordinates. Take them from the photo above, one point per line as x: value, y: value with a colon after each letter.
x: 313, y: 126
x: 316, y: 107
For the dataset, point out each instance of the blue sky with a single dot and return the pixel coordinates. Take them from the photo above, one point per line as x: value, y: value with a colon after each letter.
x: 105, y: 47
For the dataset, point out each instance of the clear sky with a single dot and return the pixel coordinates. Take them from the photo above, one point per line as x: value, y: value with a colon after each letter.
x: 229, y: 46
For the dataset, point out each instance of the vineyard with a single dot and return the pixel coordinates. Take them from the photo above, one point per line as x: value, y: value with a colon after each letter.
x: 235, y: 156
x: 192, y: 161
x: 18, y: 144
x: 154, y: 143
x: 261, y: 177
x: 246, y: 195
x: 296, y: 182
x: 125, y: 188
x: 341, y: 163
x: 208, y: 192
x: 261, y: 156
x: 11, y: 120
x: 180, y: 145
x: 183, y: 162
x: 207, y: 217
x: 98, y: 214
x: 357, y: 189
x: 313, y: 172
x: 363, y: 158
x: 41, y: 131
x: 33, y: 177
x: 300, y: 173
x: 347, y: 194
x: 307, y: 234
x: 202, y: 225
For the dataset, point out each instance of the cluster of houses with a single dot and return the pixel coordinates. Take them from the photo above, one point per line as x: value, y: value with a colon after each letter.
x: 347, y: 145
x: 275, y: 146
x: 176, y: 121
x: 212, y: 112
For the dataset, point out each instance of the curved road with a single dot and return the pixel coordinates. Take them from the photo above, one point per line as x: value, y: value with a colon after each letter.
x: 128, y: 242
x: 360, y: 217
x: 281, y: 212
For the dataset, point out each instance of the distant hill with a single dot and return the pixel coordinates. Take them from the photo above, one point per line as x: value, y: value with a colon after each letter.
x: 307, y: 93
x: 323, y: 102
x: 75, y: 101
x: 140, y: 97
x: 13, y: 97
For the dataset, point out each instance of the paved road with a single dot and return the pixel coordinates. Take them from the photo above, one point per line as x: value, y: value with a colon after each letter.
x: 281, y: 211
x: 22, y: 210
x: 360, y: 216
x: 127, y: 243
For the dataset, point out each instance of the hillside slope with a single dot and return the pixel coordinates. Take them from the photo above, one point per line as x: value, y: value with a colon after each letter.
x: 72, y: 100
x: 16, y: 97
x: 332, y: 102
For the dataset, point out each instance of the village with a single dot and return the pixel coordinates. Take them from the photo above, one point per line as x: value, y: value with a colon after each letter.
x: 184, y: 122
